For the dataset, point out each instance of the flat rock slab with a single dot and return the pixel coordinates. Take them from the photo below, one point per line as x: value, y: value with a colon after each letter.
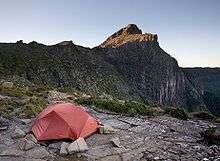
x: 12, y: 152
x: 115, y: 123
x: 37, y: 153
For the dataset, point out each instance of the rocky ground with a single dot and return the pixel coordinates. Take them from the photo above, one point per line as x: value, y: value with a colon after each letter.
x: 135, y: 138
x: 155, y: 138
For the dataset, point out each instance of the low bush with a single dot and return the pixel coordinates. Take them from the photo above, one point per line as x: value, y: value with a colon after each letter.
x: 217, y: 120
x: 34, y: 106
x: 179, y: 113
x: 5, y: 108
x: 211, y: 136
x: 128, y: 107
x: 27, y: 107
x: 12, y: 92
x: 203, y: 115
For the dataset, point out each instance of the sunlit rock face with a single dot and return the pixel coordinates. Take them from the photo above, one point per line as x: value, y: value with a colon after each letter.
x: 131, y: 33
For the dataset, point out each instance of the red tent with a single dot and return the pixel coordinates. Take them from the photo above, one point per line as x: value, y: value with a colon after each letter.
x: 62, y: 121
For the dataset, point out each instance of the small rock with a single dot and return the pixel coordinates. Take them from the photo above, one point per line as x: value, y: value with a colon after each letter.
x: 197, y: 147
x: 156, y: 158
x: 78, y: 145
x: 73, y: 147
x: 63, y: 148
x: 7, y: 85
x: 205, y: 159
x: 82, y: 144
x: 31, y: 137
x: 4, y: 128
x: 106, y: 129
x: 25, y: 144
x: 116, y: 142
x: 55, y: 145
x: 172, y: 130
x: 29, y: 145
x: 56, y: 96
x: 18, y: 133
x: 26, y: 121
x: 4, y: 122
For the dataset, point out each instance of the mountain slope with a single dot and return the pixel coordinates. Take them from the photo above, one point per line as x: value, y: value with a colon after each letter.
x: 128, y: 65
x: 153, y: 73
x: 61, y: 65
x: 209, y: 80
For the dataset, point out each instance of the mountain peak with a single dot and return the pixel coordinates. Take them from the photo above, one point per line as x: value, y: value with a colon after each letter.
x: 65, y: 43
x: 131, y: 29
x: 130, y: 33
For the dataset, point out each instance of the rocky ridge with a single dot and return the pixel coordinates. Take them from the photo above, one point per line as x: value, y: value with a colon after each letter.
x: 128, y: 65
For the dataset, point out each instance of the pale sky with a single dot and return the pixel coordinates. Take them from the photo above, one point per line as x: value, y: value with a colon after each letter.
x: 188, y: 29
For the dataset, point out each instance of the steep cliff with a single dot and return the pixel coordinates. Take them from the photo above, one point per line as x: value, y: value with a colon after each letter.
x: 153, y: 73
x: 128, y: 65
x: 209, y: 80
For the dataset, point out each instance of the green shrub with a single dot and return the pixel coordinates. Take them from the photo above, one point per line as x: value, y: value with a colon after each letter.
x: 211, y: 136
x: 203, y: 115
x: 84, y: 101
x: 179, y: 113
x: 140, y: 108
x: 12, y: 92
x: 7, y: 107
x: 217, y: 120
x: 24, y: 108
x: 128, y: 107
x: 39, y: 88
x: 34, y: 106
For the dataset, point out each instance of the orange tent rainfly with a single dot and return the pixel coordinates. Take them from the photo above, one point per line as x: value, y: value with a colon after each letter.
x: 63, y: 121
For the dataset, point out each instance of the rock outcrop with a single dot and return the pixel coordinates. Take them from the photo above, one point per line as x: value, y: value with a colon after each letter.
x: 131, y: 33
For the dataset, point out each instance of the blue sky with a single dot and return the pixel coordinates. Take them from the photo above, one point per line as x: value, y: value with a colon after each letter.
x: 189, y: 30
